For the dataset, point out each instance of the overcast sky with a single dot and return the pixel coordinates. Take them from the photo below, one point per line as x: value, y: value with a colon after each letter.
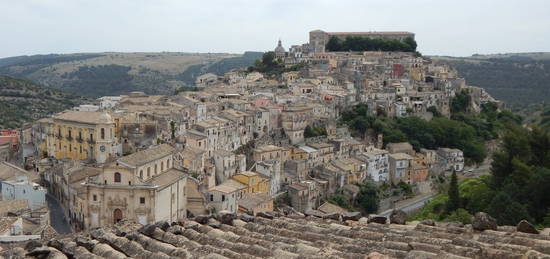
x: 457, y: 27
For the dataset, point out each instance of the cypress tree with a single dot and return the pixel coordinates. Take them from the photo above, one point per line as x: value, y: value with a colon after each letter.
x: 454, y: 197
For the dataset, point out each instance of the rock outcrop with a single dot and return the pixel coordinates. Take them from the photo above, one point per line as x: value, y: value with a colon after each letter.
x: 483, y: 221
x: 526, y: 227
x: 398, y: 217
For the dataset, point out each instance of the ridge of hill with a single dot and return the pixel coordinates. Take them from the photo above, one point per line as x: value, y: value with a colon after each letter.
x: 515, y: 78
x: 114, y: 73
x: 23, y: 101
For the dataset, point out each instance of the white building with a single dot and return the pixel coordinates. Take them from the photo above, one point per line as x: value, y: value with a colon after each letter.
x: 451, y: 158
x: 23, y: 189
x: 225, y: 196
x: 399, y: 167
x: 271, y: 169
x: 108, y: 102
x: 228, y: 164
x: 378, y: 166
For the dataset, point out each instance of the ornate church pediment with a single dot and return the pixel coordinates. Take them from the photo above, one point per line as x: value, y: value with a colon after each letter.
x: 117, y: 202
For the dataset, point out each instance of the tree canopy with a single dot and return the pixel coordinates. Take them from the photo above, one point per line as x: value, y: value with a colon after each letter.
x: 517, y: 187
x: 439, y: 132
x: 271, y: 65
x: 358, y: 43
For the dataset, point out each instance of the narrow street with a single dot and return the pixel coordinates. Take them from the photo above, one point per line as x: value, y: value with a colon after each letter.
x: 410, y: 205
x: 57, y: 217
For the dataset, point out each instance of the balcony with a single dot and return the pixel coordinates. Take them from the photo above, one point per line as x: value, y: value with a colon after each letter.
x: 58, y: 136
x: 90, y: 141
x: 69, y: 138
x: 80, y: 140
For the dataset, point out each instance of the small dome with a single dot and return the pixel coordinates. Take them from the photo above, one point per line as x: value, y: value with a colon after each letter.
x: 105, y: 118
x: 279, y: 48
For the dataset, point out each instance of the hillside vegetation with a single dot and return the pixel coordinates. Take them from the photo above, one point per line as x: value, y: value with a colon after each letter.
x: 521, y: 78
x: 464, y: 130
x: 23, y: 101
x: 100, y: 74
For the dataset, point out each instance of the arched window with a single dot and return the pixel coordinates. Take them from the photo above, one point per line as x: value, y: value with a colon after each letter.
x: 162, y: 166
x: 155, y: 169
x: 140, y: 173
x: 168, y: 163
x: 117, y: 177
x: 148, y: 172
x: 102, y: 133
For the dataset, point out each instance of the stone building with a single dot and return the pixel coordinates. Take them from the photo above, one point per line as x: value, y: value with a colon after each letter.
x: 6, y: 152
x: 225, y: 196
x: 400, y: 165
x: 143, y: 186
x: 83, y: 136
x: 451, y: 159
x: 254, y: 203
x: 294, y: 121
x: 401, y: 147
x: 228, y: 164
x: 255, y: 182
x: 304, y: 195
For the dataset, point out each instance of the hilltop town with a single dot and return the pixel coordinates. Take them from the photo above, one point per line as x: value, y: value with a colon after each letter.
x: 257, y: 142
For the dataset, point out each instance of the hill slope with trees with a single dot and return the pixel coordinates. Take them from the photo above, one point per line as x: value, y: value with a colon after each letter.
x: 518, y: 78
x: 100, y: 74
x: 23, y: 101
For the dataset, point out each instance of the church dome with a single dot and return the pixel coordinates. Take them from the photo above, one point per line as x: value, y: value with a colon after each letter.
x: 279, y: 48
x: 105, y: 118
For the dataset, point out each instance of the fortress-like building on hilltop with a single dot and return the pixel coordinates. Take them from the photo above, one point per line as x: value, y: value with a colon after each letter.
x: 318, y: 39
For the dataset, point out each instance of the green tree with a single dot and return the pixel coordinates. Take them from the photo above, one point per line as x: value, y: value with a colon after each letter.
x: 506, y: 210
x: 454, y: 195
x: 341, y: 201
x: 434, y: 111
x: 334, y: 44
x: 460, y: 215
x: 308, y: 132
x: 367, y: 198
x: 411, y: 42
x: 461, y: 102
x: 475, y: 194
x: 173, y: 129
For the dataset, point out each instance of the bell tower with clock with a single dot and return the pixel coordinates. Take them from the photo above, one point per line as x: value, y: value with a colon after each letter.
x: 106, y: 139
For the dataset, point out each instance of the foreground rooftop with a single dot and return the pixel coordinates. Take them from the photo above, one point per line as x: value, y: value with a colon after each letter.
x: 292, y: 236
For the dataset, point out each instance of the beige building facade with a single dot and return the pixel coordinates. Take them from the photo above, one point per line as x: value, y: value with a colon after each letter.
x: 82, y: 135
x: 144, y: 187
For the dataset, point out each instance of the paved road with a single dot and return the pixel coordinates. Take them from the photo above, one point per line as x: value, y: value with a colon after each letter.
x: 57, y: 217
x: 410, y: 206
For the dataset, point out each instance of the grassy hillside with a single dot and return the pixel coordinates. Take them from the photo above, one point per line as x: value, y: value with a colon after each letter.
x: 517, y: 78
x: 23, y: 101
x: 100, y: 74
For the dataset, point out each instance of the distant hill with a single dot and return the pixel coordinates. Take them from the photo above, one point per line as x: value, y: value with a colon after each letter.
x: 23, y: 101
x: 99, y: 74
x: 515, y: 78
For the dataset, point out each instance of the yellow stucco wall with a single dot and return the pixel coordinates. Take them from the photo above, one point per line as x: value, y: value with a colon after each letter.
x: 255, y: 184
